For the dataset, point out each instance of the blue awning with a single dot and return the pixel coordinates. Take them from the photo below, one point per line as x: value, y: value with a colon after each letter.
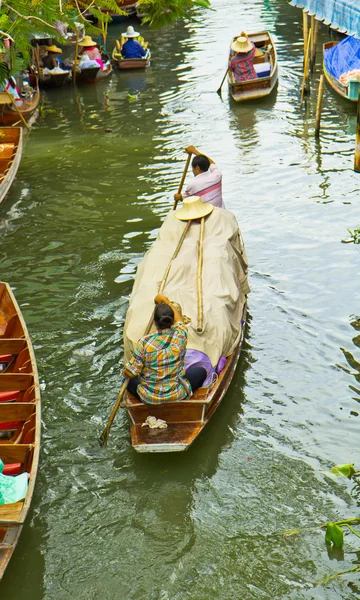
x: 342, y: 15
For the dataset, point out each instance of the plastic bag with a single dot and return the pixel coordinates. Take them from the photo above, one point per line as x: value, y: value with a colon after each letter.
x: 12, y: 489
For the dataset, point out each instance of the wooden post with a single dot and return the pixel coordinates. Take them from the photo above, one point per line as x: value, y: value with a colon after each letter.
x: 314, y: 29
x: 305, y: 90
x: 357, y: 145
x: 305, y: 31
x: 319, y: 105
x: 76, y: 54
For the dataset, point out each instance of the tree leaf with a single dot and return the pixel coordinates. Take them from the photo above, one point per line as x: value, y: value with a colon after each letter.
x: 334, y: 535
x: 344, y: 470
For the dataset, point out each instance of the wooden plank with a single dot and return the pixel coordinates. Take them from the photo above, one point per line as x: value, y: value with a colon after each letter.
x: 12, y: 453
x: 16, y: 411
x: 172, y: 413
x: 11, y: 512
x: 15, y: 381
x: 12, y: 345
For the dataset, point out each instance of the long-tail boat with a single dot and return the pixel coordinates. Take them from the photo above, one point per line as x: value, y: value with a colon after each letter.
x: 10, y: 111
x: 20, y: 420
x: 350, y: 90
x: 265, y: 64
x: 130, y: 63
x: 220, y: 336
x: 11, y: 143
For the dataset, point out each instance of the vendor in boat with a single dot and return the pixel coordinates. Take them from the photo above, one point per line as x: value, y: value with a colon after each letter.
x: 51, y: 60
x: 207, y: 182
x: 132, y: 48
x: 242, y: 64
x: 90, y: 52
x: 156, y: 370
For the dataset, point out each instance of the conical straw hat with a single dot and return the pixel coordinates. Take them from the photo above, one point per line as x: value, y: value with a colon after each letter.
x: 87, y: 41
x: 130, y: 32
x: 241, y: 45
x: 193, y: 208
x: 53, y: 49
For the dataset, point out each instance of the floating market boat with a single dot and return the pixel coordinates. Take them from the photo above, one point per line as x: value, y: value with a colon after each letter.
x: 266, y: 67
x: 223, y: 317
x: 10, y: 112
x: 11, y: 143
x: 130, y: 63
x: 94, y: 74
x: 342, y: 67
x: 128, y: 6
x: 20, y: 420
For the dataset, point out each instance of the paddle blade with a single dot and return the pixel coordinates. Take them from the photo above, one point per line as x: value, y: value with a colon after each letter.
x: 103, y: 439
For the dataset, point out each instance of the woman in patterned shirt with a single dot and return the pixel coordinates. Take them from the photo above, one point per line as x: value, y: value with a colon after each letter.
x: 157, y: 369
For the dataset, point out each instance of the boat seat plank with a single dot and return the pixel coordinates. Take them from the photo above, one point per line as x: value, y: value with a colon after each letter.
x: 175, y: 412
x: 12, y: 345
x: 15, y: 381
x: 11, y: 512
x: 259, y: 39
x: 16, y: 411
x: 13, y: 453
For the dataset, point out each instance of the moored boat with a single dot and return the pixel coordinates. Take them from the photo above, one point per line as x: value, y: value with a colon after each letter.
x: 11, y: 143
x: 220, y: 336
x: 342, y: 67
x: 20, y: 419
x: 94, y: 74
x: 130, y: 63
x: 10, y: 112
x: 127, y: 6
x: 265, y: 65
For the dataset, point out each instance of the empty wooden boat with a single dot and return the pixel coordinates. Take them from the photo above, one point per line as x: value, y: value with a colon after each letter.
x: 349, y: 91
x: 10, y: 113
x: 130, y: 63
x: 266, y: 66
x: 11, y: 143
x: 225, y: 290
x: 20, y: 420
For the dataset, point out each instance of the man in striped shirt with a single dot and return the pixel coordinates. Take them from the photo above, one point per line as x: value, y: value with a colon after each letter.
x: 207, y: 179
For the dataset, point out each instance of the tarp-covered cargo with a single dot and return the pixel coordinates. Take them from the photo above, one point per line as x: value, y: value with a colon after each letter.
x: 224, y: 283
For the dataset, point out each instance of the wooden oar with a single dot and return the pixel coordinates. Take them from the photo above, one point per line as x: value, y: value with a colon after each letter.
x: 105, y: 434
x: 183, y: 179
x: 199, y: 294
x: 221, y: 84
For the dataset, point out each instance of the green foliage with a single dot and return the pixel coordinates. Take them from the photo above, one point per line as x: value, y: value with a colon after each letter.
x: 158, y: 13
x: 334, y: 535
x: 344, y: 470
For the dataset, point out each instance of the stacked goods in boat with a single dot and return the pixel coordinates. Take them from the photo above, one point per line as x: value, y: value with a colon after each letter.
x: 14, y: 111
x: 20, y: 424
x: 11, y: 142
x: 130, y: 63
x: 217, y: 313
x: 341, y: 61
x: 265, y: 68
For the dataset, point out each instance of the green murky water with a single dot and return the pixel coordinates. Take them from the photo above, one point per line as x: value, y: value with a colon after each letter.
x: 97, y: 175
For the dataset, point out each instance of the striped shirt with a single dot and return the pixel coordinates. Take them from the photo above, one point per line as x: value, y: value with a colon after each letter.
x: 159, y: 362
x: 208, y: 186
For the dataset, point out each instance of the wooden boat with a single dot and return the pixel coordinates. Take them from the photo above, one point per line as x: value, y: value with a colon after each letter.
x: 94, y: 74
x: 350, y: 92
x: 128, y: 6
x: 54, y: 80
x: 130, y: 63
x: 9, y: 112
x: 11, y: 143
x: 186, y: 419
x: 20, y: 420
x: 261, y: 86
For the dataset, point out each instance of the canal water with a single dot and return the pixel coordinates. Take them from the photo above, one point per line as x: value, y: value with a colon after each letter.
x: 97, y: 177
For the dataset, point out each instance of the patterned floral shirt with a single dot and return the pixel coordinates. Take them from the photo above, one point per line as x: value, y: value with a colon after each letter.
x: 159, y: 362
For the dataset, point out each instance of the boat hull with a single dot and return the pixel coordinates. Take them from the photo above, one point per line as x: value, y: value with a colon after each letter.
x: 260, y: 87
x: 185, y: 420
x: 334, y: 83
x: 13, y: 145
x: 9, y: 115
x: 20, y: 418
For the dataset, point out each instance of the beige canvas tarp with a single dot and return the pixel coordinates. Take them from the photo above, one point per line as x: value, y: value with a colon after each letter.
x: 224, y: 283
